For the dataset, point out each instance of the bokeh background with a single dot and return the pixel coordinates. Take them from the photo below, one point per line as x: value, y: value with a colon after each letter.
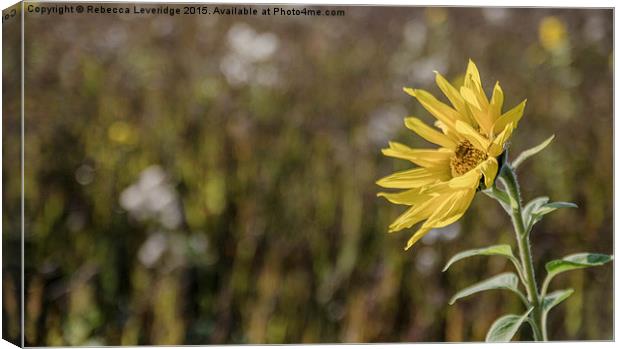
x: 205, y: 179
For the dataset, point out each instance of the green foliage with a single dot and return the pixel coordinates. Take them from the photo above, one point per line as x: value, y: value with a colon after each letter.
x: 531, y: 152
x: 505, y: 281
x: 539, y: 207
x: 550, y: 207
x: 555, y: 298
x: 505, y: 327
x: 533, y: 206
x: 500, y: 196
x: 576, y: 261
x: 496, y: 250
x: 523, y: 219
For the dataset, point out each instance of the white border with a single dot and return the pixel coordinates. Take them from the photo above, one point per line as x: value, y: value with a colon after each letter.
x: 497, y: 3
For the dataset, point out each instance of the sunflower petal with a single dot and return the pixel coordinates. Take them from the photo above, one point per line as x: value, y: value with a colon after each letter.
x: 413, y: 216
x: 469, y: 180
x: 472, y: 71
x: 453, y: 96
x: 448, y: 132
x: 420, y: 157
x: 439, y: 110
x: 414, y: 178
x: 497, y: 100
x: 450, y: 210
x: 489, y: 171
x: 511, y: 116
x: 470, y: 96
x: 473, y: 82
x: 417, y: 236
x: 476, y: 139
x: 497, y: 147
x: 481, y: 115
x: 423, y: 130
x: 406, y: 197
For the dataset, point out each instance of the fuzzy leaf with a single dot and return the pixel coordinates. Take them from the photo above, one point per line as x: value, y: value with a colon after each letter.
x: 552, y: 206
x: 537, y: 214
x: 496, y: 250
x: 531, y: 152
x: 504, y: 328
x: 555, y: 298
x: 506, y: 281
x: 501, y: 197
x: 533, y: 206
x: 576, y: 261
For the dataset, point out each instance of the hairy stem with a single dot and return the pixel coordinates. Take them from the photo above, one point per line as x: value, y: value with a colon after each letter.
x: 509, y: 179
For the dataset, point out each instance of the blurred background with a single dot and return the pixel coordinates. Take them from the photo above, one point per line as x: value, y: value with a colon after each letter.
x: 207, y: 179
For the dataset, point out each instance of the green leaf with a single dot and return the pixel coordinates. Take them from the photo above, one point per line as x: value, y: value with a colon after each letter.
x: 552, y: 206
x: 533, y: 206
x: 537, y: 213
x: 496, y: 250
x: 555, y: 298
x: 504, y: 328
x: 501, y: 196
x: 576, y: 261
x: 506, y: 281
x: 531, y: 152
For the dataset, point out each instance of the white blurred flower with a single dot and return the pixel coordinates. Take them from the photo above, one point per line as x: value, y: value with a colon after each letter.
x: 251, y: 45
x: 446, y: 233
x: 431, y: 237
x: 152, y: 197
x: 152, y: 249
x: 248, y: 49
x: 496, y: 15
x: 450, y: 232
x: 426, y: 260
x: 235, y: 69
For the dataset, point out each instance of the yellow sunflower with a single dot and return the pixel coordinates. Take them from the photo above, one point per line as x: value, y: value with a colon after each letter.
x: 471, y: 135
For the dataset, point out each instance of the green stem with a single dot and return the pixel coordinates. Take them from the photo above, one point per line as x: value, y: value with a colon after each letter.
x: 543, y: 323
x: 543, y: 290
x: 543, y: 294
x: 512, y: 187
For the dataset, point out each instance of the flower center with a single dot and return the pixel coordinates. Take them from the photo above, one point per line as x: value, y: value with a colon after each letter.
x: 465, y: 158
